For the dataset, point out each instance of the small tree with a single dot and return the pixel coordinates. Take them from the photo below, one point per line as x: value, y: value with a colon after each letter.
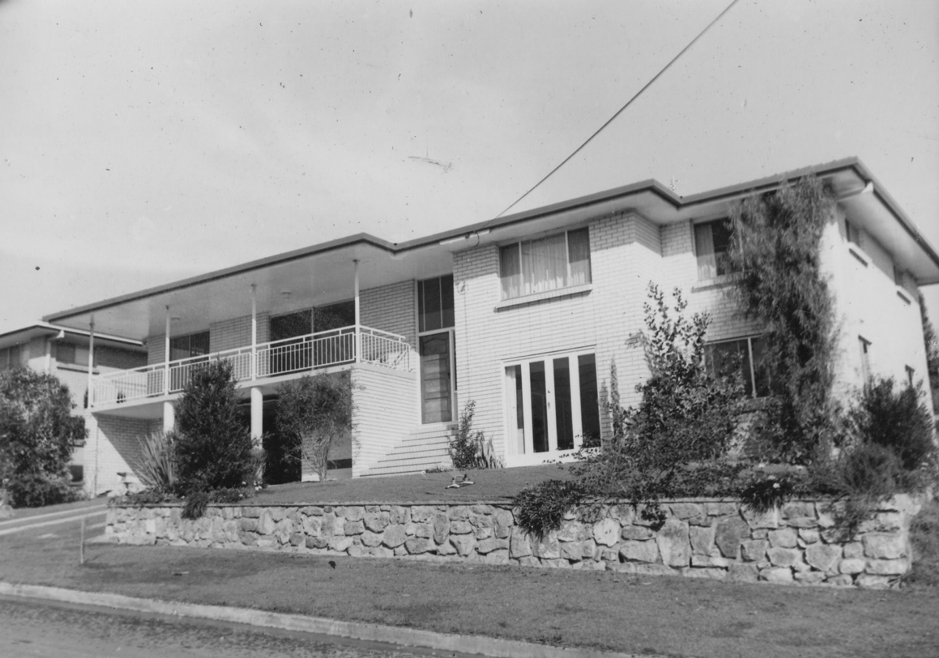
x: 932, y: 354
x: 775, y: 249
x: 37, y: 435
x: 313, y: 413
x: 687, y: 413
x: 470, y: 448
x: 213, y: 445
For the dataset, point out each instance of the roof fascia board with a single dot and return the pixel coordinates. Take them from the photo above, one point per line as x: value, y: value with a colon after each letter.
x: 352, y: 240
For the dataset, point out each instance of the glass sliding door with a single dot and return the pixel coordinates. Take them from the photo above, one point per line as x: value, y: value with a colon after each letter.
x: 551, y: 406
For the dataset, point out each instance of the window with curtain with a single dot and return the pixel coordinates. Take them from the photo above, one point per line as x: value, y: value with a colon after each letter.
x: 711, y: 245
x: 551, y: 263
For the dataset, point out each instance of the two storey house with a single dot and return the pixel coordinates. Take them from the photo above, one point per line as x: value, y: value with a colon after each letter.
x: 524, y: 314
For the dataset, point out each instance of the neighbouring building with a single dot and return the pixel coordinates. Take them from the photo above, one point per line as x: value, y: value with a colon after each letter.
x: 64, y: 353
x: 523, y: 314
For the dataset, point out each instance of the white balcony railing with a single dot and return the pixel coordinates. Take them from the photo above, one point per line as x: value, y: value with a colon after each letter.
x: 310, y: 352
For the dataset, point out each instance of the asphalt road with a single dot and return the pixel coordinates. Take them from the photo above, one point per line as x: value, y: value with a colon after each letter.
x: 51, y: 630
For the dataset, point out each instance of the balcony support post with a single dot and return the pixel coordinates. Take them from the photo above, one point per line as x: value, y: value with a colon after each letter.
x: 91, y: 361
x: 166, y: 354
x: 257, y: 415
x: 254, y: 335
x: 358, y: 317
x: 169, y: 416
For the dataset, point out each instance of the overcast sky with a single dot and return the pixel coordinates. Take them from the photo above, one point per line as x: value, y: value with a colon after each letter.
x: 146, y: 142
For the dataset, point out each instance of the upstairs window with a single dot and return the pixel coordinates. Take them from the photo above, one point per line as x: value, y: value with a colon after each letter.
x: 71, y: 354
x: 184, y: 347
x: 551, y: 263
x: 747, y: 355
x: 435, y: 303
x: 712, y: 246
x: 10, y: 357
x: 852, y: 233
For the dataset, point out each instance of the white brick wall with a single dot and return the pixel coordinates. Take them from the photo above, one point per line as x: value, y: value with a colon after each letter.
x: 391, y: 308
x: 867, y: 305
x: 112, y: 447
x: 385, y: 411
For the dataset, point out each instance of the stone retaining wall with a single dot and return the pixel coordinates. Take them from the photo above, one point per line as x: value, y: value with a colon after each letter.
x: 700, y: 538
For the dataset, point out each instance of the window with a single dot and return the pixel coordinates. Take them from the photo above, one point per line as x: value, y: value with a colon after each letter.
x: 333, y: 316
x: 852, y: 233
x: 551, y: 263
x: 746, y: 355
x: 712, y: 246
x: 71, y: 354
x: 435, y: 303
x: 437, y: 348
x: 865, y: 348
x: 183, y: 347
x: 10, y: 357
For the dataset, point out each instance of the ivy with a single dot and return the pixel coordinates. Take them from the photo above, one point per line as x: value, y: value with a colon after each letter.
x: 775, y: 250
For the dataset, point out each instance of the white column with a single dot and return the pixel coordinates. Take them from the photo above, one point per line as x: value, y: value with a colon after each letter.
x: 254, y: 331
x: 91, y: 361
x: 166, y: 354
x: 169, y: 416
x: 358, y: 321
x: 257, y: 415
x: 48, y: 356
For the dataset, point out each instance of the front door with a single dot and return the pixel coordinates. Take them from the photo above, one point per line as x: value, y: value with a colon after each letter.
x: 436, y: 378
x: 551, y: 405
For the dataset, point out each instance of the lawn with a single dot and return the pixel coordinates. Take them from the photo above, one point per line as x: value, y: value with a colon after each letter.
x: 488, y: 485
x: 666, y: 615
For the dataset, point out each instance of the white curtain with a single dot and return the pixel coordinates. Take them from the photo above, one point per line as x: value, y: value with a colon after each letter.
x: 704, y: 248
x: 578, y: 245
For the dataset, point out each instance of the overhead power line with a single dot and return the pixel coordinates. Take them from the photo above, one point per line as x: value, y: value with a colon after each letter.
x: 622, y: 109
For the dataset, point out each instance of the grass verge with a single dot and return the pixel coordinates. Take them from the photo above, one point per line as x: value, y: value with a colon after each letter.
x: 666, y: 615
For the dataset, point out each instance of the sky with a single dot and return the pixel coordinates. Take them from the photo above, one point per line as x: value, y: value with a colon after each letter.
x: 142, y: 143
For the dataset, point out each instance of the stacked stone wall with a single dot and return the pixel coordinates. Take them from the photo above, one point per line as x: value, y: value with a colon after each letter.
x: 797, y: 543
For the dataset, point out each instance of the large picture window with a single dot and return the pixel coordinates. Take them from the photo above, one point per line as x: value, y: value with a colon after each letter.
x: 711, y: 245
x: 551, y: 263
x: 745, y: 354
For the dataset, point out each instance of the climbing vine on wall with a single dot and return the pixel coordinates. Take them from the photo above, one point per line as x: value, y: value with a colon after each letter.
x: 775, y: 248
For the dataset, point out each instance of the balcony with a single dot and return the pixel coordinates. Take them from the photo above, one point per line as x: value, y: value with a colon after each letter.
x: 325, y: 349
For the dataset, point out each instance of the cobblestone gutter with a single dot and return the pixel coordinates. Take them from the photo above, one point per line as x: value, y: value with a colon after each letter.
x: 797, y: 543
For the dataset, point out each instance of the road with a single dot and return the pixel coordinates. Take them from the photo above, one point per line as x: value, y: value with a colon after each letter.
x: 52, y: 630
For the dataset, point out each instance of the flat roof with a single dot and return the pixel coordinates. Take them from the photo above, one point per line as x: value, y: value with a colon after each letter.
x: 663, y: 203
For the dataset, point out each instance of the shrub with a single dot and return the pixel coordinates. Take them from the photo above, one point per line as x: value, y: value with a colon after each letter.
x: 213, y: 447
x: 775, y: 250
x: 156, y: 466
x: 899, y: 422
x: 313, y: 413
x: 197, y: 501
x: 675, y: 438
x: 924, y: 536
x: 37, y: 435
x: 469, y: 448
x: 887, y: 448
x: 37, y: 490
x: 541, y: 508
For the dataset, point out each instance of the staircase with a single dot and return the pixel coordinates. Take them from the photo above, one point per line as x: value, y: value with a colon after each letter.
x: 424, y: 448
